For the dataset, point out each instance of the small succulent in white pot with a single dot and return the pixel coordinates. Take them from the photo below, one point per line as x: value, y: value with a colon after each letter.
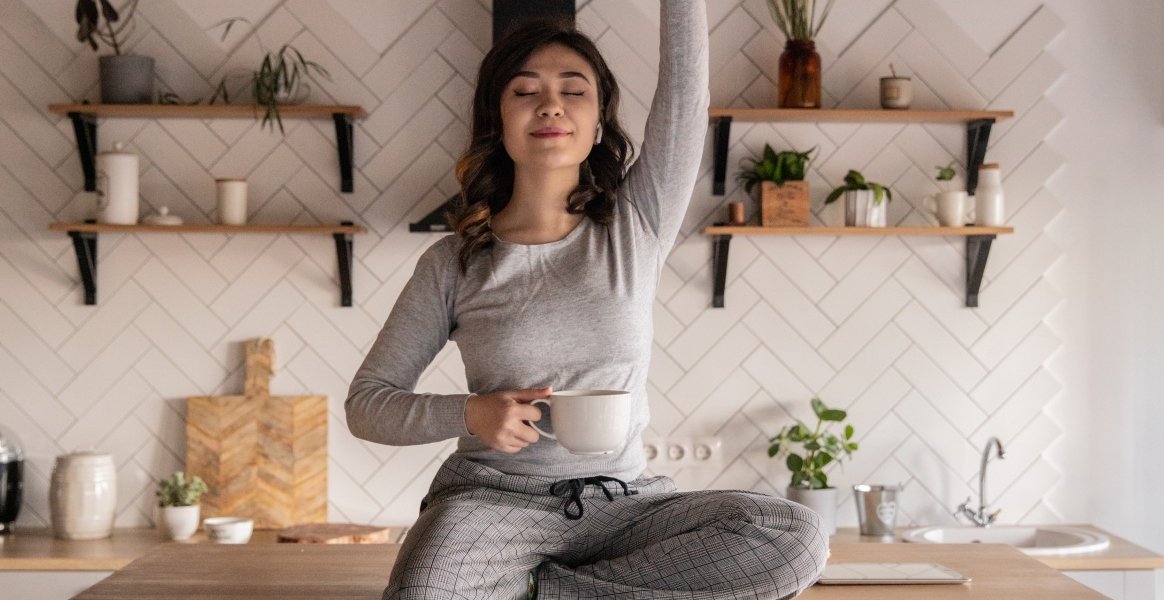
x: 178, y: 509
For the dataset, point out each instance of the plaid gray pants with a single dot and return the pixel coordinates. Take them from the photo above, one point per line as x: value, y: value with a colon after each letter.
x: 481, y: 532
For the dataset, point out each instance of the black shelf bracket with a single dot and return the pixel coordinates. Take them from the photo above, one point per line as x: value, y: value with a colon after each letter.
x: 85, y: 245
x: 719, y: 259
x: 434, y: 222
x: 723, y: 133
x: 85, y: 130
x: 343, y: 252
x: 977, y: 250
x: 977, y: 137
x: 344, y: 143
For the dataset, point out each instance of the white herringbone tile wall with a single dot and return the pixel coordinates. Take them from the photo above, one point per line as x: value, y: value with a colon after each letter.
x: 874, y: 325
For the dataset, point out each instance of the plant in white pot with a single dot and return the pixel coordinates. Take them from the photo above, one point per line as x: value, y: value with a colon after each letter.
x: 125, y: 78
x: 807, y: 452
x: 178, y: 508
x: 865, y: 201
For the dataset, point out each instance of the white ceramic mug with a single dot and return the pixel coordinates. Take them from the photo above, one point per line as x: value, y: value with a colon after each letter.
x: 588, y: 421
x: 232, y: 201
x: 948, y: 207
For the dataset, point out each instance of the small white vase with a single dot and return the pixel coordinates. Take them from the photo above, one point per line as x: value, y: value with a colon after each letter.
x: 989, y: 202
x: 178, y: 522
x: 862, y: 211
x: 823, y: 502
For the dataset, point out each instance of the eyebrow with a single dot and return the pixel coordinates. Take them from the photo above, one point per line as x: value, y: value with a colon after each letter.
x: 562, y: 75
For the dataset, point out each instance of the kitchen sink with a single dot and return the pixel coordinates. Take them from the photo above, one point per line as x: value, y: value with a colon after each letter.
x: 1034, y: 540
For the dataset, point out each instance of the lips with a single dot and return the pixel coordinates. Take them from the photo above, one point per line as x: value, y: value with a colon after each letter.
x: 550, y: 132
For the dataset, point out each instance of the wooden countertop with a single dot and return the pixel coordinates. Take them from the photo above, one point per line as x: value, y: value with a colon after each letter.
x: 38, y: 550
x: 1121, y: 555
x: 192, y: 571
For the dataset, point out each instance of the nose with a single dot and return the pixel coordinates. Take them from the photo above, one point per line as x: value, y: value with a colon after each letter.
x: 550, y: 108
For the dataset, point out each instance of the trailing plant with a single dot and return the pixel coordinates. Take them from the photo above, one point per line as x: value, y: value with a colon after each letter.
x: 774, y: 166
x: 946, y: 175
x: 179, y: 490
x: 797, y: 19
x: 809, y: 451
x: 99, y: 20
x: 855, y: 181
x: 279, y: 77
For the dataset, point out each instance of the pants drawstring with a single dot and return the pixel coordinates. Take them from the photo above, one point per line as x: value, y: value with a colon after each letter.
x: 571, y: 489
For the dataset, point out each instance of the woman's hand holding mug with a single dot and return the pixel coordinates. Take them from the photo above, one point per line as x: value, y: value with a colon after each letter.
x: 501, y: 419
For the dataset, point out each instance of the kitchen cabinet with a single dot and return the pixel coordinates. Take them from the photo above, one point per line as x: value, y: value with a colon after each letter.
x: 978, y: 126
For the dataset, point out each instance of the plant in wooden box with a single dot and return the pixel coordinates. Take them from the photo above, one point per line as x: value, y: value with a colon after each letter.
x: 783, y: 190
x: 125, y: 78
x: 818, y: 448
x: 865, y: 201
x: 178, y: 508
x: 799, y: 79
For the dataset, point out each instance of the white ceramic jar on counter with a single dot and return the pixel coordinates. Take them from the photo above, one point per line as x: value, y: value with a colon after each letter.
x: 83, y: 495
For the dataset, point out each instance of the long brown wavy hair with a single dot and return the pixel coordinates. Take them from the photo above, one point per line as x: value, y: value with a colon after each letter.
x: 485, y: 171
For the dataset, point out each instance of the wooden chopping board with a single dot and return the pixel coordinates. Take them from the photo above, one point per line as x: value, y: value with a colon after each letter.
x: 335, y: 533
x: 262, y: 456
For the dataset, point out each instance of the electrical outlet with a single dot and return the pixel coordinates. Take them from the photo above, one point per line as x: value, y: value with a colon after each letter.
x: 681, y: 452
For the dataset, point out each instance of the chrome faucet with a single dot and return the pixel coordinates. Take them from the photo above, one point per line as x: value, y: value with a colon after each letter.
x: 980, y: 518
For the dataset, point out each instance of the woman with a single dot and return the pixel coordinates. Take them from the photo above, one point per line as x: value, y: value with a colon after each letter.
x: 550, y: 281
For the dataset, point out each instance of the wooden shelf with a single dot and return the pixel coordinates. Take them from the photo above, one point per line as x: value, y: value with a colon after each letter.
x: 207, y: 111
x: 208, y: 228
x: 978, y: 240
x: 84, y: 118
x: 977, y: 122
x: 844, y: 115
x: 84, y: 236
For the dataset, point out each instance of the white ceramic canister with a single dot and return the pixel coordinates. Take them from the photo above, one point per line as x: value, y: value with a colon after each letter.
x: 989, y: 201
x: 232, y: 201
x: 83, y: 495
x: 117, y: 186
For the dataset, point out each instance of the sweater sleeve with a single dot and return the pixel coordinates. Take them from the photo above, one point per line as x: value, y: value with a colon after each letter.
x: 660, y: 183
x: 381, y: 405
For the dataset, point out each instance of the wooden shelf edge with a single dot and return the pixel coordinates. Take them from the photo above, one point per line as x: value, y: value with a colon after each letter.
x: 757, y: 230
x: 858, y: 115
x: 217, y: 111
x: 206, y: 228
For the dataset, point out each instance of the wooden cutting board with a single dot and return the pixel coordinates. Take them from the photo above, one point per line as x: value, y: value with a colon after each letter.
x: 336, y: 533
x: 262, y: 456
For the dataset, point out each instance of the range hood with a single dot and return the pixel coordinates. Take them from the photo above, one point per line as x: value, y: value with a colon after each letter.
x: 506, y: 14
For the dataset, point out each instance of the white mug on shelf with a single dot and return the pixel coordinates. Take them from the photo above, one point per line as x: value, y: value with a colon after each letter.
x: 232, y: 201
x: 588, y: 421
x: 949, y: 208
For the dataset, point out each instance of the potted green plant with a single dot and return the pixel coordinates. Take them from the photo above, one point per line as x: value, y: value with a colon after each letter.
x: 949, y: 205
x: 125, y: 78
x: 178, y: 505
x: 783, y: 190
x: 799, y: 71
x: 281, y: 79
x: 865, y: 201
x: 807, y: 452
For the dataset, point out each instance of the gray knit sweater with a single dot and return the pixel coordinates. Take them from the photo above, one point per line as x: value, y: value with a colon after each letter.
x: 572, y: 314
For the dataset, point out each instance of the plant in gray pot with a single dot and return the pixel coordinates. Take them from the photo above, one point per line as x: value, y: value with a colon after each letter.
x: 865, y: 201
x: 808, y: 452
x: 125, y: 78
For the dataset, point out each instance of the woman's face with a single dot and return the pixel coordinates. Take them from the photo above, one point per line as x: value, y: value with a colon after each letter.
x: 549, y: 111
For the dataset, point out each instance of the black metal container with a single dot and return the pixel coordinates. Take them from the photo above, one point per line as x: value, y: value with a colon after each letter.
x: 11, y: 479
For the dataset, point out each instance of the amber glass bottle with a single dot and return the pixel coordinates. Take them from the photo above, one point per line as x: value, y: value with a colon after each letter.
x: 799, y: 85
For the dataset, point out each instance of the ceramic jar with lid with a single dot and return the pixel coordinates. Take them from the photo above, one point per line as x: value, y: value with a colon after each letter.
x: 83, y: 495
x: 117, y: 186
x: 989, y: 200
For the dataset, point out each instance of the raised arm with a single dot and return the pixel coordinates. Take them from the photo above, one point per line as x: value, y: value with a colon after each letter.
x: 660, y: 183
x: 381, y: 405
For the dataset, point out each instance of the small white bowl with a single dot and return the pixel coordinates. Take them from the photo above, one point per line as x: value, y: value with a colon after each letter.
x: 228, y: 530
